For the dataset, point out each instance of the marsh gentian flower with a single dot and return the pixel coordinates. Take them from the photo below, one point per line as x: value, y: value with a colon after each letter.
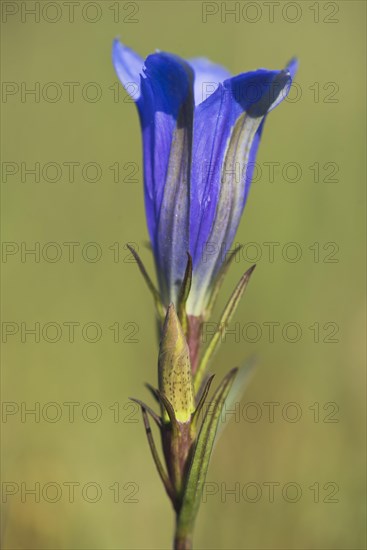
x: 201, y: 131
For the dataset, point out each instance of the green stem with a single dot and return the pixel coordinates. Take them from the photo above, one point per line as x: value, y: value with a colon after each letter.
x: 183, y: 540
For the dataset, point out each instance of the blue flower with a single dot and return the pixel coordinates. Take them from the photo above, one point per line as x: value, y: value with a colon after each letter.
x: 201, y: 129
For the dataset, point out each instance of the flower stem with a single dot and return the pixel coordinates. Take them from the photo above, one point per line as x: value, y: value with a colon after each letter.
x: 183, y: 541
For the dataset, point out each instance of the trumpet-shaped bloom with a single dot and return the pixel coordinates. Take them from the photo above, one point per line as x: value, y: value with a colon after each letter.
x: 201, y: 130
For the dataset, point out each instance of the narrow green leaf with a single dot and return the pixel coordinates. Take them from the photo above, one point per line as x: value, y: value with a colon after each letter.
x: 157, y: 419
x: 237, y: 390
x: 161, y: 471
x: 157, y: 299
x: 219, y: 280
x: 170, y: 412
x: 224, y: 321
x: 164, y: 402
x: 153, y: 391
x: 200, y: 458
x: 184, y: 294
x: 196, y: 415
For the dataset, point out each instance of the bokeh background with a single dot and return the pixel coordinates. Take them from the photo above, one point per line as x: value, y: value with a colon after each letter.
x: 86, y: 437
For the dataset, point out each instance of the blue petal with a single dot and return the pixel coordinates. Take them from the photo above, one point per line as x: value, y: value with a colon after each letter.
x: 208, y: 76
x: 165, y: 103
x: 128, y: 66
x: 227, y: 130
x: 167, y: 130
x: 292, y: 67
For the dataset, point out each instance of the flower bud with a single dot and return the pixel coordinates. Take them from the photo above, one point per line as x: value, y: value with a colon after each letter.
x: 174, y: 369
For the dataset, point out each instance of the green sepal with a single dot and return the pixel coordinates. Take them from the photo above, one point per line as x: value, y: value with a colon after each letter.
x: 174, y: 369
x: 222, y: 326
x: 199, y: 463
x: 184, y: 294
x: 161, y: 312
x: 161, y: 471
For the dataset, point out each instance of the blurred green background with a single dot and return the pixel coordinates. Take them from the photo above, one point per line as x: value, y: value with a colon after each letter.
x: 318, y: 380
